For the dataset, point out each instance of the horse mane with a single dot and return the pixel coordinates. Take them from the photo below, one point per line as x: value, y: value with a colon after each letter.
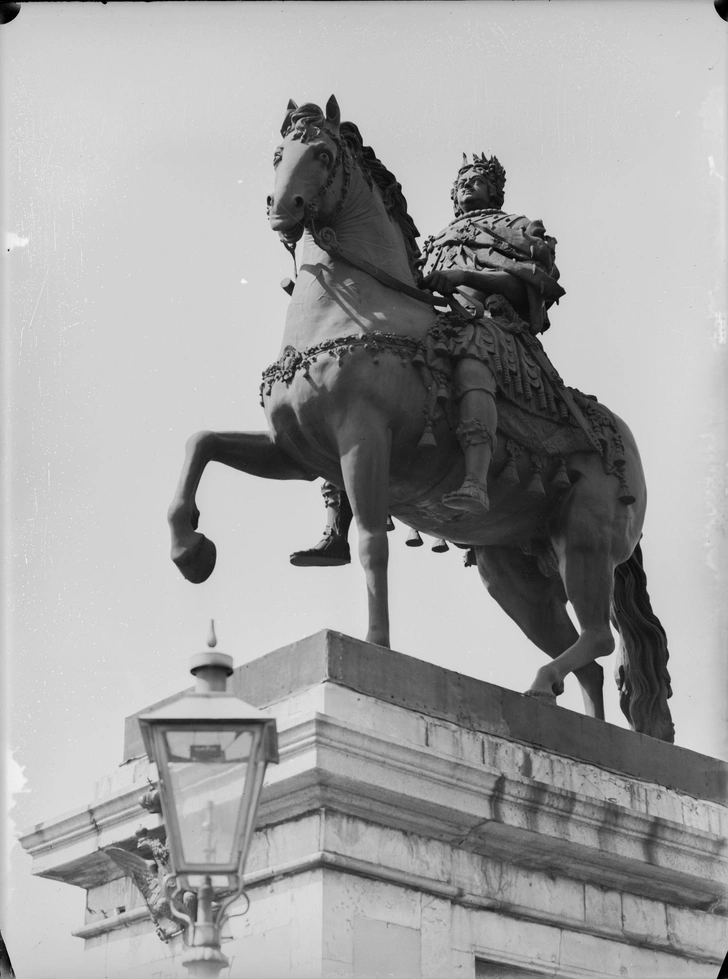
x: 389, y: 187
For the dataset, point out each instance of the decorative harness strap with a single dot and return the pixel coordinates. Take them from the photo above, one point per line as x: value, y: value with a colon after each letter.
x: 341, y: 158
x: 326, y: 239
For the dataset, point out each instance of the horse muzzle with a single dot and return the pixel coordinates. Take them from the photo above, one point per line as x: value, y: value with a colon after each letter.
x: 286, y: 229
x: 287, y: 217
x: 290, y: 235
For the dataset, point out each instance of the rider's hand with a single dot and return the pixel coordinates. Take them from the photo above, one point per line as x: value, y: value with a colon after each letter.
x: 445, y: 281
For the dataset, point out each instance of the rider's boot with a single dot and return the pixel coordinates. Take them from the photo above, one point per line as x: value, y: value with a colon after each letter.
x: 476, y: 433
x: 333, y: 549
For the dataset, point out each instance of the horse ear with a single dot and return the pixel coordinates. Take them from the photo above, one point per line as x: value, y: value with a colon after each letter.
x: 287, y: 121
x: 333, y: 113
x: 465, y: 159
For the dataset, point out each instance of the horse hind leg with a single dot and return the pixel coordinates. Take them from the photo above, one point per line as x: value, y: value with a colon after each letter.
x: 537, y: 604
x: 587, y: 572
x: 251, y: 452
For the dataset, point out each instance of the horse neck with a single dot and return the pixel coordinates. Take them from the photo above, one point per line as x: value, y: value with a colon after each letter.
x: 365, y: 230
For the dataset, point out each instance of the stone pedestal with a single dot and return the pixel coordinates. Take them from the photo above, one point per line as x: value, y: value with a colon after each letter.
x: 425, y: 824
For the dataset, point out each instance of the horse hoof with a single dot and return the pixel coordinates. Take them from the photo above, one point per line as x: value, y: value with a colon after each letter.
x: 197, y: 563
x: 543, y: 695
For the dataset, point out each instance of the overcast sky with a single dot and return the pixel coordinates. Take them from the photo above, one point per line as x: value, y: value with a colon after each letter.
x: 145, y: 302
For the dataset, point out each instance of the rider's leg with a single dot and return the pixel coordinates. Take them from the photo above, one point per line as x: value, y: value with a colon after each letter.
x: 476, y: 433
x: 338, y: 511
x: 333, y: 549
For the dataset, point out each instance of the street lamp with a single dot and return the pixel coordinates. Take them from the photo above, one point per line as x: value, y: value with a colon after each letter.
x: 211, y: 750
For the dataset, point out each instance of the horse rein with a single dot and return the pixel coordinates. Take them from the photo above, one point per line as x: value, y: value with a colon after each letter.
x: 326, y: 240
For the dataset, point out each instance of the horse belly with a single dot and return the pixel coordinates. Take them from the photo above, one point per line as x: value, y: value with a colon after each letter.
x: 513, y: 519
x: 351, y: 391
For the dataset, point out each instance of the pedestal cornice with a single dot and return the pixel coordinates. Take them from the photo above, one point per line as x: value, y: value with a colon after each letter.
x: 482, y: 801
x: 410, y: 683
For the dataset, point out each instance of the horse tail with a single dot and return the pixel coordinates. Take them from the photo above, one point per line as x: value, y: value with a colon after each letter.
x: 641, y: 675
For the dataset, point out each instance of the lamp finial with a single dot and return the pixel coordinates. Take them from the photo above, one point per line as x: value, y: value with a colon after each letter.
x: 211, y: 637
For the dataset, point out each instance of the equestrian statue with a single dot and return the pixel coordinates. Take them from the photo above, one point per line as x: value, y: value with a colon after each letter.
x: 414, y: 383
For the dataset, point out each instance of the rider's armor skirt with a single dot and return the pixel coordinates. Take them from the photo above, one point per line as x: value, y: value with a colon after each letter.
x: 500, y: 341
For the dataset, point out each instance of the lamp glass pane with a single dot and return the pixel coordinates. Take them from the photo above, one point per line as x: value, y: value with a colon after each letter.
x: 207, y: 771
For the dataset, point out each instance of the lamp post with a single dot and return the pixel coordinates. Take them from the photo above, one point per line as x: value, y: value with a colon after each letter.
x: 211, y: 750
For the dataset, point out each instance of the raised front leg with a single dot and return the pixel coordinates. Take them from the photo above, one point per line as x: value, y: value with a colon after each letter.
x: 251, y: 452
x: 365, y: 467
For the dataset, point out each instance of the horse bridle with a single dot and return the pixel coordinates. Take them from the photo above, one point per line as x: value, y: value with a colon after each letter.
x: 325, y: 238
x: 342, y: 160
x: 311, y: 209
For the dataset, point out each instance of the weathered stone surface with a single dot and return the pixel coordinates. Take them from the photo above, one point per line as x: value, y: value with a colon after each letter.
x: 472, y: 704
x: 385, y: 949
x: 435, y: 924
x: 603, y: 909
x: 429, y: 838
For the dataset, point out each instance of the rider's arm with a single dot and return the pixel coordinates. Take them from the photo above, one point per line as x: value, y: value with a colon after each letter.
x: 492, y: 282
x: 484, y: 283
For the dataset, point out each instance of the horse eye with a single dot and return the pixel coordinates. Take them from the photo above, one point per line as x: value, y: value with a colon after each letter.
x: 325, y: 158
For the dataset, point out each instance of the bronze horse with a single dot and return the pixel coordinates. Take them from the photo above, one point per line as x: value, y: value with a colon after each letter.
x: 346, y: 402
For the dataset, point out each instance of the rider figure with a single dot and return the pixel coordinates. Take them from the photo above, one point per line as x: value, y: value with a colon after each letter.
x: 487, y: 253
x: 503, y: 261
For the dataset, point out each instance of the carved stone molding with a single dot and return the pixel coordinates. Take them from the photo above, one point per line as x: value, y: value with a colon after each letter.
x: 449, y: 805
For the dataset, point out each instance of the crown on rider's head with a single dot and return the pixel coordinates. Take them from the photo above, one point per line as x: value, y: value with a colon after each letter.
x: 495, y: 177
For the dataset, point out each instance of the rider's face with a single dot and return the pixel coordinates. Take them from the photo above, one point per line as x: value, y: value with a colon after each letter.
x: 472, y: 191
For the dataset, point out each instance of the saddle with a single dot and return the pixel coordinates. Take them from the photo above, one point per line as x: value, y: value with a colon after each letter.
x: 537, y: 412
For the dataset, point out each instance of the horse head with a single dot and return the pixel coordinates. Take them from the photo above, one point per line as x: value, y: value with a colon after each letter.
x: 308, y: 168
